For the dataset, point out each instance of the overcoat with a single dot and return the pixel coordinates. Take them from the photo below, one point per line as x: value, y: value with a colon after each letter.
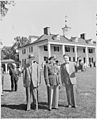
x: 35, y: 74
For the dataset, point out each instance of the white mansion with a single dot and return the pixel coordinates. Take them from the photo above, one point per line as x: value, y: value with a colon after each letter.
x: 51, y: 44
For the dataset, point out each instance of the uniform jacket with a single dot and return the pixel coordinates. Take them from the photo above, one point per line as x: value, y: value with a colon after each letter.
x: 52, y: 75
x: 68, y: 77
x: 35, y: 74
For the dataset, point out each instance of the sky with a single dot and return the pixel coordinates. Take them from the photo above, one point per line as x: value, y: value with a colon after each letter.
x: 29, y: 17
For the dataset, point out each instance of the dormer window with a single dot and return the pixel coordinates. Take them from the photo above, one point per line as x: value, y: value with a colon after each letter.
x: 56, y: 37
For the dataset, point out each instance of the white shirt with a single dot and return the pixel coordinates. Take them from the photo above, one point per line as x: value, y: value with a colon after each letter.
x: 67, y: 67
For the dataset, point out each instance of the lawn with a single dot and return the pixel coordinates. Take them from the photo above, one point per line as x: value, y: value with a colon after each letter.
x: 13, y: 103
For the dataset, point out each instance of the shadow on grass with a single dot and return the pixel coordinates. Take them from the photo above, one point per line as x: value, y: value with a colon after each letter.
x: 17, y: 107
x: 42, y: 105
x: 7, y: 90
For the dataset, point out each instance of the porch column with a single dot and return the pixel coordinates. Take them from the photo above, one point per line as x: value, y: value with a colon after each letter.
x: 49, y: 50
x: 5, y: 67
x: 75, y: 53
x: 63, y: 49
x: 87, y: 57
x: 0, y: 72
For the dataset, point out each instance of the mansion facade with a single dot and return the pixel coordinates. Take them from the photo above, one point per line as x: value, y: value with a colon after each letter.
x: 56, y: 45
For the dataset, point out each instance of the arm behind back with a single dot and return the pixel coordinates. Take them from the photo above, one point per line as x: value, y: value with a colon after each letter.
x: 46, y: 74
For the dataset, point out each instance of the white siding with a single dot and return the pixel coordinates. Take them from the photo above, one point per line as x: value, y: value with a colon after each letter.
x: 39, y: 53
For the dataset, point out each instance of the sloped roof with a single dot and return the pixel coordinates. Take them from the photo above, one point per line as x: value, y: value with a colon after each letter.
x: 43, y: 37
x: 63, y: 39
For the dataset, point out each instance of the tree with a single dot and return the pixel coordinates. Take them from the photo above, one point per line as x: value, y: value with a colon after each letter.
x: 11, y: 52
x: 8, y: 53
x: 3, y: 7
x: 21, y: 41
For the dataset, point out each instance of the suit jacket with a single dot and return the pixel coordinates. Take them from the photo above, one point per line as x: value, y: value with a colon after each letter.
x: 68, y: 77
x: 35, y: 74
x: 26, y: 76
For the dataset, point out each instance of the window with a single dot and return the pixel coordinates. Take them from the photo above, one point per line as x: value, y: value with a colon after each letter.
x: 90, y: 50
x: 67, y: 48
x: 24, y: 51
x: 31, y: 49
x: 73, y: 50
x: 45, y: 48
x: 45, y: 58
x: 23, y: 62
x: 69, y: 58
x: 56, y: 48
x: 90, y: 60
x: 84, y: 59
x: 83, y: 50
x: 73, y: 59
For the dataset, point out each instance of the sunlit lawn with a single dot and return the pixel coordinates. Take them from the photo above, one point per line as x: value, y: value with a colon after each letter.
x: 13, y: 103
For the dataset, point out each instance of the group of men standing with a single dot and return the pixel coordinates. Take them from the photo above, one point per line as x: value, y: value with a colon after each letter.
x: 55, y: 76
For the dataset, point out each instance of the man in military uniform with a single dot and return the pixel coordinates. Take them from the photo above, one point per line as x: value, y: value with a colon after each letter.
x: 53, y: 81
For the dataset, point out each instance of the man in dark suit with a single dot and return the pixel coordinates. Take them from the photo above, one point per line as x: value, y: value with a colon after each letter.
x: 10, y: 66
x: 69, y: 80
x: 46, y: 80
x: 16, y: 77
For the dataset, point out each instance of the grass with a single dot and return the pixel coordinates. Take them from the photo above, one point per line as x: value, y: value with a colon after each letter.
x: 13, y: 103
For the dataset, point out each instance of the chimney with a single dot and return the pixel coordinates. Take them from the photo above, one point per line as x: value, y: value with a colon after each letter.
x: 82, y: 36
x: 47, y: 30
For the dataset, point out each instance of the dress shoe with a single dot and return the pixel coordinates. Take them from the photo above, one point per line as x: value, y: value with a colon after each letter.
x: 74, y: 106
x: 68, y: 106
x: 49, y: 109
x: 28, y: 110
x: 55, y: 108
